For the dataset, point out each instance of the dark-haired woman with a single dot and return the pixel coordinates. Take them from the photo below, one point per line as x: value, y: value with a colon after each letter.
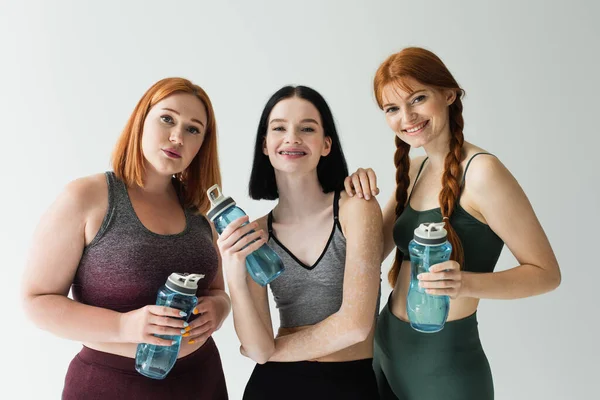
x: 483, y: 208
x: 331, y: 246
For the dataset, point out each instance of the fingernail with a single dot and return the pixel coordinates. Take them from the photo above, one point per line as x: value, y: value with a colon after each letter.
x: 185, y: 324
x: 367, y: 196
x: 192, y: 341
x: 185, y: 334
x: 173, y: 342
x: 183, y: 313
x: 360, y: 195
x: 419, y: 276
x: 188, y: 328
x: 183, y: 331
x: 374, y: 193
x: 195, y: 311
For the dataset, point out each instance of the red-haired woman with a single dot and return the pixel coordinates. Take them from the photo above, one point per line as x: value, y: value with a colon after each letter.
x: 483, y: 207
x: 114, y: 239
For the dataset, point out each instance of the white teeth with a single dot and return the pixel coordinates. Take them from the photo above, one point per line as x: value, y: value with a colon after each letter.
x: 416, y: 128
x: 292, y: 153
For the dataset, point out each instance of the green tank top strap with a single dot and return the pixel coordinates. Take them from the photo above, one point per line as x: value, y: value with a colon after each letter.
x: 462, y: 183
x: 416, y: 179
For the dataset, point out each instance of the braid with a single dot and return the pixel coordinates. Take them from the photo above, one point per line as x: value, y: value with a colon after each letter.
x: 402, y: 163
x: 450, y: 179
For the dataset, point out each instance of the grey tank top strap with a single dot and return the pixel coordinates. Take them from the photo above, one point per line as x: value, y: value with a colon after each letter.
x: 118, y: 202
x: 120, y: 208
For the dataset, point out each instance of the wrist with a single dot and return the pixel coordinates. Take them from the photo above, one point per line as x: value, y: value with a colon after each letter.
x: 237, y: 283
x: 466, y: 286
x: 121, y: 328
x: 224, y: 304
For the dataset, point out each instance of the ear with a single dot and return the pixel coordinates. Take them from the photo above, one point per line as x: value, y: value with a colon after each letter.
x: 450, y: 96
x: 326, y: 147
x: 264, y: 147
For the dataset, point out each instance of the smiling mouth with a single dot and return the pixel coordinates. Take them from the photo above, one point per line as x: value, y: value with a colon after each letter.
x: 292, y: 153
x: 416, y: 129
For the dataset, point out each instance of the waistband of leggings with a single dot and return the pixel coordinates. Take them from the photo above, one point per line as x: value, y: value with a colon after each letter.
x: 317, y: 367
x: 461, y: 330
x: 127, y: 364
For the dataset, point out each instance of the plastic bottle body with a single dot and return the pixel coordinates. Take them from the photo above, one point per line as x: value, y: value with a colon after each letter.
x: 156, y: 361
x: 426, y: 312
x: 263, y: 265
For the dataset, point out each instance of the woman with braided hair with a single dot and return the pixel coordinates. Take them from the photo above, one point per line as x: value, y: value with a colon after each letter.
x: 482, y: 210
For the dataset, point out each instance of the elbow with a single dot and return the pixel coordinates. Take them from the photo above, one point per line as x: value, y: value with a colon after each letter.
x: 361, y: 331
x: 555, y: 280
x: 29, y: 308
x: 357, y: 326
x: 258, y: 355
x: 551, y: 278
x: 261, y: 358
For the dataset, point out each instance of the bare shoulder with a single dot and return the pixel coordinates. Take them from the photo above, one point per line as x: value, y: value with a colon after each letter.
x: 86, y: 194
x: 352, y: 207
x: 485, y: 171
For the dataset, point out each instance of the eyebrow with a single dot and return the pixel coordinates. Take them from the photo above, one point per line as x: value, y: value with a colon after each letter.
x: 409, y: 96
x: 304, y: 120
x: 175, y: 112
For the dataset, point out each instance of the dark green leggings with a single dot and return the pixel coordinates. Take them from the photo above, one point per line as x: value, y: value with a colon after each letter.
x: 446, y: 365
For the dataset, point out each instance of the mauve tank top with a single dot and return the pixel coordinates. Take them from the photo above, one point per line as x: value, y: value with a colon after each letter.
x: 125, y: 264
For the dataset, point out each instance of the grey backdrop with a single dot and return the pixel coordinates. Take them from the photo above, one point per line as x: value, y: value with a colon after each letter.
x: 72, y: 71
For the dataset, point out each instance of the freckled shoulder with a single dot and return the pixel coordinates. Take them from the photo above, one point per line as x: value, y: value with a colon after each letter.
x: 357, y: 208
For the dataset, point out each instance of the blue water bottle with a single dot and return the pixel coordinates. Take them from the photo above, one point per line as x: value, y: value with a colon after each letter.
x: 263, y: 265
x: 178, y: 292
x: 427, y: 313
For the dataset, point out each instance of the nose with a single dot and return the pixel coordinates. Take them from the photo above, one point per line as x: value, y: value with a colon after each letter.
x: 292, y: 137
x: 176, y: 136
x: 408, y: 114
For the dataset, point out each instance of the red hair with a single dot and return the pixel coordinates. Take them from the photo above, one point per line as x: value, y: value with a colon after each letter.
x: 203, y: 171
x: 427, y: 69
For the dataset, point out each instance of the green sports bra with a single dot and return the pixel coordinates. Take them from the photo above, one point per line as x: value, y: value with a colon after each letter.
x: 481, y: 245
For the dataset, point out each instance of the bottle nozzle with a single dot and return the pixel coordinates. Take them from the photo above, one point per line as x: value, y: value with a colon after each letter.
x: 218, y: 202
x: 194, y: 278
x: 431, y: 227
x: 214, y: 194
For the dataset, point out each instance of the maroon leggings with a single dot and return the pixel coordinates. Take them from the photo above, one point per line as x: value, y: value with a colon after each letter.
x: 95, y: 375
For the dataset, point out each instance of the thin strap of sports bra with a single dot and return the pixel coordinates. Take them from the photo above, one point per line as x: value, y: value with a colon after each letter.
x: 462, y: 183
x: 416, y: 179
x: 270, y: 223
x: 336, y: 206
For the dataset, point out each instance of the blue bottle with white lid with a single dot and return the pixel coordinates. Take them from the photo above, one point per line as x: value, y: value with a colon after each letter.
x: 426, y: 312
x: 179, y: 291
x: 263, y: 265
